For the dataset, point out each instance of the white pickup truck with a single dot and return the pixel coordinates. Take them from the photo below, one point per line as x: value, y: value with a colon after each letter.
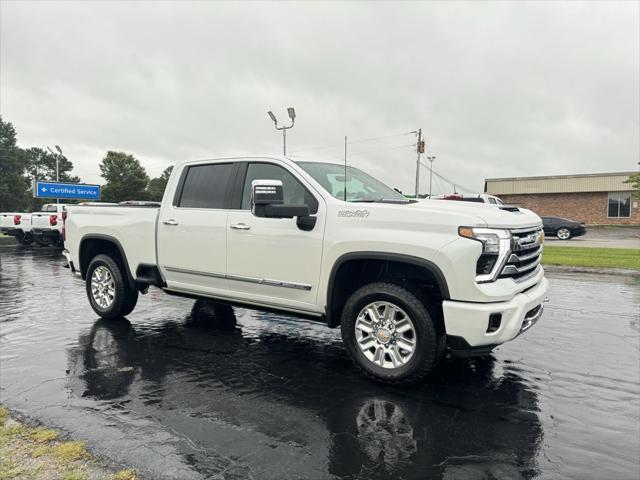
x: 17, y: 225
x: 404, y: 280
x: 47, y: 224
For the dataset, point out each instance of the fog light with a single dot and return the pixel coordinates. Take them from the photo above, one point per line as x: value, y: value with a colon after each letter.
x: 495, y: 319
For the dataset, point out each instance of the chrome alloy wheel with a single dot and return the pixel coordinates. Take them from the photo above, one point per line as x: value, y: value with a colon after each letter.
x: 564, y: 233
x: 385, y: 334
x: 103, y: 287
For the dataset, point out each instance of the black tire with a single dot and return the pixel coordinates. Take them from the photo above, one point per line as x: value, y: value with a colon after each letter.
x: 24, y: 239
x: 124, y: 298
x: 42, y: 240
x: 27, y: 239
x: 429, y: 339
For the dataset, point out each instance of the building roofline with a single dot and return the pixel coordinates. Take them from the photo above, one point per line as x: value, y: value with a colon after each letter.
x: 548, y: 177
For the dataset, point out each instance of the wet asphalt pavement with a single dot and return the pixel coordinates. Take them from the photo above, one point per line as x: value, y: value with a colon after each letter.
x: 178, y: 391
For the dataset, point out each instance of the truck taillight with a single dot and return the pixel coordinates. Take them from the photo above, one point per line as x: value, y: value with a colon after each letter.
x: 16, y: 219
x: 53, y: 220
x: 64, y: 224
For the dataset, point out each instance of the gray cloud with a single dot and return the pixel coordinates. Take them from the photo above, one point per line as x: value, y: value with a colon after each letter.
x: 499, y: 89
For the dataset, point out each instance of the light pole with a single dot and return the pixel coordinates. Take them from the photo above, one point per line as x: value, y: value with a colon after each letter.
x: 57, y: 157
x: 292, y: 115
x: 431, y: 159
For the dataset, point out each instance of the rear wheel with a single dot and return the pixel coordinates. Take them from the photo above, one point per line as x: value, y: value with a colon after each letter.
x: 563, y: 233
x: 24, y: 239
x: 42, y: 240
x: 390, y: 333
x: 108, y: 290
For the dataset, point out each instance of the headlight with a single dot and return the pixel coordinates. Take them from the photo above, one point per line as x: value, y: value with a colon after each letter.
x: 496, y: 244
x: 489, y: 237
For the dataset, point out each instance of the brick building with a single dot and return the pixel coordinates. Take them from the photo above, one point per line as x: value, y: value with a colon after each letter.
x: 596, y: 199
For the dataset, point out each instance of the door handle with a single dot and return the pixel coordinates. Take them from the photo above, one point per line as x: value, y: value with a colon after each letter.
x: 171, y: 222
x: 240, y: 226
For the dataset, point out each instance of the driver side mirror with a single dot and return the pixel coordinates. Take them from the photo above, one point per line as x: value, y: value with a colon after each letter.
x: 267, y: 200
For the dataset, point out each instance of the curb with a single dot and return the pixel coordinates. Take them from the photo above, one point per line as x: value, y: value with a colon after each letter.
x: 595, y: 270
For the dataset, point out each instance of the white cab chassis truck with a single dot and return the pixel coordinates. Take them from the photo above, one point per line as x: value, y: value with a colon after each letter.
x: 404, y: 280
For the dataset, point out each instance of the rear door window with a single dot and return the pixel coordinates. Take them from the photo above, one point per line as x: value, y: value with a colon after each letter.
x: 205, y: 186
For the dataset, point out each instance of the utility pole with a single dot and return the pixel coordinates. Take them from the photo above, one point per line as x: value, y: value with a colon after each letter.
x: 419, y: 150
x: 57, y: 157
x: 431, y: 159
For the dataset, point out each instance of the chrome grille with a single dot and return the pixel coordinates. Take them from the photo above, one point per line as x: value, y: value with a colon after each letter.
x: 526, y: 254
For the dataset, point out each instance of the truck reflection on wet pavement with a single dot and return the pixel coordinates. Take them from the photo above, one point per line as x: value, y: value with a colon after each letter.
x: 194, y: 390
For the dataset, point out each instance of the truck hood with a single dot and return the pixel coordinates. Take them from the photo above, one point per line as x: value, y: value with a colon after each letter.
x: 477, y: 214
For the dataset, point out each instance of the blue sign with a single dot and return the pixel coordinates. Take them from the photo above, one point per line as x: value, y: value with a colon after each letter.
x: 76, y: 191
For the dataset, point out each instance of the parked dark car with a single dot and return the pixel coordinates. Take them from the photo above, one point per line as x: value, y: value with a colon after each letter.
x: 563, y: 228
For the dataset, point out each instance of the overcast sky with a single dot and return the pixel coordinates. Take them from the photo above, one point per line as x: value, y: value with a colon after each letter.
x: 499, y: 89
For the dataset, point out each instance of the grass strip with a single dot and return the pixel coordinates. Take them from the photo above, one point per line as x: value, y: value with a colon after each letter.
x: 29, y: 453
x: 628, y: 258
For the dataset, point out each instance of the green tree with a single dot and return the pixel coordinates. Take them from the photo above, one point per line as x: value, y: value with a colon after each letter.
x: 13, y: 185
x: 156, y: 186
x: 126, y: 178
x: 634, y: 180
x: 40, y: 164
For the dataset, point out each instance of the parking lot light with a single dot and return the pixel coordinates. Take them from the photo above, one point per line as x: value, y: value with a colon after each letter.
x: 292, y: 115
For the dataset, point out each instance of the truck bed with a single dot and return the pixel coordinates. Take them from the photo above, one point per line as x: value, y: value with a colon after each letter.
x: 132, y: 226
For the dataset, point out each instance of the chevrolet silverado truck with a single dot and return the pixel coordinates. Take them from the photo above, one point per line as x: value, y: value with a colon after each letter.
x: 47, y: 225
x: 404, y: 280
x: 17, y: 225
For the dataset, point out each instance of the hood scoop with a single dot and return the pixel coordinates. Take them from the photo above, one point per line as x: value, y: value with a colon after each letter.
x: 509, y: 208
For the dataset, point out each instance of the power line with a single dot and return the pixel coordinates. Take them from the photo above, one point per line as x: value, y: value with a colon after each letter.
x: 454, y: 184
x: 351, y: 142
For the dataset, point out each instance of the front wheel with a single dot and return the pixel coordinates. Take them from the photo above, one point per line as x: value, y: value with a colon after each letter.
x: 390, y: 333
x: 563, y: 233
x: 107, y: 288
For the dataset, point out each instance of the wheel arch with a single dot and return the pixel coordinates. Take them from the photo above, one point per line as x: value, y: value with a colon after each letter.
x: 96, y: 244
x: 372, y: 266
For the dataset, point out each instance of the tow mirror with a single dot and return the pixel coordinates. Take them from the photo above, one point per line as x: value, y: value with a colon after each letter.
x: 267, y: 200
x: 266, y: 192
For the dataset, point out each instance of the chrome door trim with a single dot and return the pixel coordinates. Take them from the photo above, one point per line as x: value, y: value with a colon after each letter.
x: 240, y: 278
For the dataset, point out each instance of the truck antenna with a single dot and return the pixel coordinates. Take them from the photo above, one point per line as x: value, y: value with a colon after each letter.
x: 345, y: 168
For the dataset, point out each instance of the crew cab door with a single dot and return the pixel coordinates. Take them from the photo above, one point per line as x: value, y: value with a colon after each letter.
x: 192, y: 229
x: 272, y: 260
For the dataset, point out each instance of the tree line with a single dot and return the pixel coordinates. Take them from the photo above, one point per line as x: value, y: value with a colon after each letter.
x: 125, y: 177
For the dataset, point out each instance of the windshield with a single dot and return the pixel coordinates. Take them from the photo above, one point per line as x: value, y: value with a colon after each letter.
x: 360, y: 187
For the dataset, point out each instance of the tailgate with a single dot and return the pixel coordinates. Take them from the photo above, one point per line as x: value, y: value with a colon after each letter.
x: 6, y: 220
x: 25, y: 220
x: 41, y: 220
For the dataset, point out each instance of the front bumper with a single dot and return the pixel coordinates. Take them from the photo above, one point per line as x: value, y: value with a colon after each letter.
x: 578, y: 231
x: 467, y: 324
